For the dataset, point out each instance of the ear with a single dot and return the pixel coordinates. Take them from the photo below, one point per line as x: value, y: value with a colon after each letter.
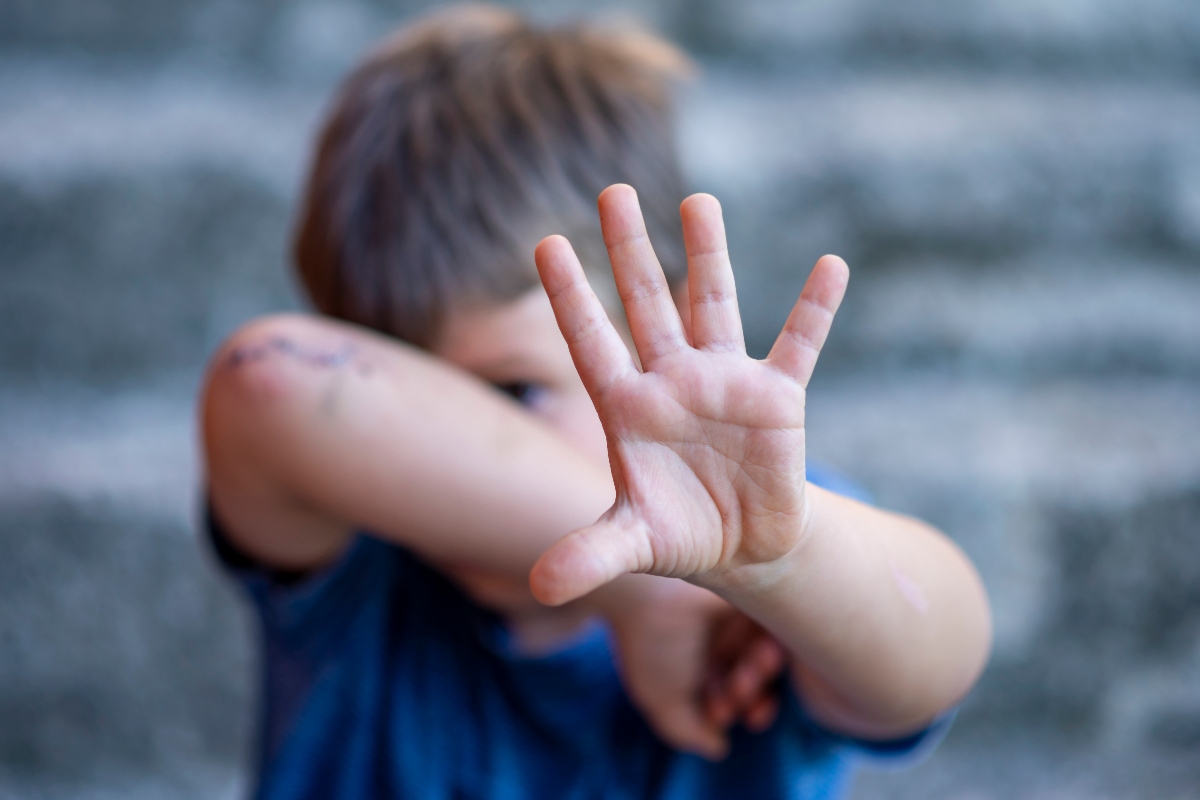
x: 679, y: 293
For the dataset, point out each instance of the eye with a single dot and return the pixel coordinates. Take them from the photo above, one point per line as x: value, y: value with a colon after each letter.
x: 526, y: 393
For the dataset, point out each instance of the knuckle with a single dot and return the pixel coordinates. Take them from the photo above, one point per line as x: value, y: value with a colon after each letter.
x: 588, y: 328
x: 643, y: 288
x: 628, y: 239
x: 714, y: 297
x: 710, y: 251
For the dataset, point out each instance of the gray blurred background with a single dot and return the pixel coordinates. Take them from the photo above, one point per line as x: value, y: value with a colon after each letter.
x: 1015, y: 183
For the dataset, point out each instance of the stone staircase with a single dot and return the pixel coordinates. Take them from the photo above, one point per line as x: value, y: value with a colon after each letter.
x: 1015, y: 185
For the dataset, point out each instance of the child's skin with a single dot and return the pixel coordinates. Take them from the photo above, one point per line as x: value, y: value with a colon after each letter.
x: 314, y: 429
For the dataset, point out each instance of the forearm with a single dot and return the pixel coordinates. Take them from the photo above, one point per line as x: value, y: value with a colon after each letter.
x: 380, y: 437
x: 886, y: 619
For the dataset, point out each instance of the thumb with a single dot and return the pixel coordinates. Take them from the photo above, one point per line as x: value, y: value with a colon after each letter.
x: 587, y: 559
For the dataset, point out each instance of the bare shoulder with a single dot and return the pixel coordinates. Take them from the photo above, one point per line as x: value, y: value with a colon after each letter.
x: 254, y: 409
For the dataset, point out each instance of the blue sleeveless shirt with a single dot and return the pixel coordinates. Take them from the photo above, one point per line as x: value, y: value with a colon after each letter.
x: 383, y: 680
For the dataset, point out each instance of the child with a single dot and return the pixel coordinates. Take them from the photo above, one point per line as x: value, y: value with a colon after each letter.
x: 384, y: 478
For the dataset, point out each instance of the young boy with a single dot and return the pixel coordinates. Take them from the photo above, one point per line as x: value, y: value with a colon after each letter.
x: 397, y: 481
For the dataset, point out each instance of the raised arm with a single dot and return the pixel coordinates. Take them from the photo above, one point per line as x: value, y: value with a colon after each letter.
x: 886, y: 620
x: 314, y: 428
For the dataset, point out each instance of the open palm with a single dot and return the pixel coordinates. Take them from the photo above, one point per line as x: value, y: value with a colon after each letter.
x: 706, y: 444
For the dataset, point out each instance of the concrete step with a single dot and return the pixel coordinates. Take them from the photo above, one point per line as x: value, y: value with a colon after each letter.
x: 188, y: 781
x: 986, y: 201
x: 978, y: 167
x: 1050, y: 314
x: 140, y: 219
x: 126, y: 660
x: 1104, y: 37
x: 1160, y: 37
x: 1037, y: 767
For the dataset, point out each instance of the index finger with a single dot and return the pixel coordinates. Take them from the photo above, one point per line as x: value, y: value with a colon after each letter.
x: 597, y: 349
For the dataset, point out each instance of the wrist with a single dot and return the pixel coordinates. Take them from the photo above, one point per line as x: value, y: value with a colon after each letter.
x: 786, y: 570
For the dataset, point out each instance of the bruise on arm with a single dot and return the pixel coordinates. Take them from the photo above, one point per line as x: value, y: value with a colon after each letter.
x: 286, y: 347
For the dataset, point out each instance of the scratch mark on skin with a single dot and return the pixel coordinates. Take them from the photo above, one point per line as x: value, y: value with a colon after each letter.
x: 909, y: 590
x: 326, y: 359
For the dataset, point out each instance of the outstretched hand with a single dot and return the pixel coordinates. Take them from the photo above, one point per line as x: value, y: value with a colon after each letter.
x: 705, y: 443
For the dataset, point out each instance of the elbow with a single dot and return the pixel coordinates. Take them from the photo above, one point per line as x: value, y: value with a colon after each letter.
x: 253, y: 364
x: 978, y: 633
x: 960, y: 654
x: 966, y: 622
x: 252, y: 384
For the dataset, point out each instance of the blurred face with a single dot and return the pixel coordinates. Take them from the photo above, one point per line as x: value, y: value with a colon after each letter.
x: 517, y: 348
